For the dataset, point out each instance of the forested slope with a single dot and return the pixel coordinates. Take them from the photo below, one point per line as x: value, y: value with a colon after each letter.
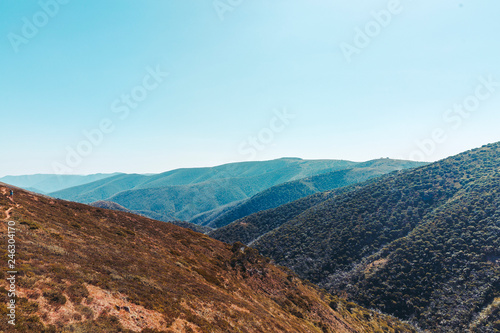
x: 422, y: 244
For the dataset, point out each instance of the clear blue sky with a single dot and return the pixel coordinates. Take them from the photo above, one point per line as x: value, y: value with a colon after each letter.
x: 228, y: 77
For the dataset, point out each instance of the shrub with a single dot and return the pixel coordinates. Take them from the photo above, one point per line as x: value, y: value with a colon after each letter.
x: 54, y: 297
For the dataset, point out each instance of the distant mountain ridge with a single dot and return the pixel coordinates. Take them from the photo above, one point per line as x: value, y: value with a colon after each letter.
x: 46, y: 183
x: 199, y: 194
x: 274, y: 171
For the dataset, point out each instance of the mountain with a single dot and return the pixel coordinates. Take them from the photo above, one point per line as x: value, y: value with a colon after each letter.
x: 275, y: 171
x: 89, y: 269
x: 202, y: 193
x: 421, y: 244
x: 100, y: 190
x: 284, y: 193
x: 184, y: 193
x: 50, y: 183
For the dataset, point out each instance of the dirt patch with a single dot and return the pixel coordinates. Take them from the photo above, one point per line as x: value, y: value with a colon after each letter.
x: 132, y: 316
x: 375, y: 266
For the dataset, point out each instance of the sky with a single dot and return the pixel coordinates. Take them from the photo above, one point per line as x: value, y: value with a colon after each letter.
x: 149, y: 86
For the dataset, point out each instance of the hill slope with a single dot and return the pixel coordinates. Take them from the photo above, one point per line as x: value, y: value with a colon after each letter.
x: 87, y: 269
x: 422, y: 244
x: 250, y: 228
x: 284, y: 193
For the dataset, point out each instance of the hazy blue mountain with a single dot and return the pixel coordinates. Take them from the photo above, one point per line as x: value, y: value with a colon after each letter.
x: 32, y: 189
x: 46, y: 183
x: 185, y: 193
x: 275, y: 171
x: 100, y: 190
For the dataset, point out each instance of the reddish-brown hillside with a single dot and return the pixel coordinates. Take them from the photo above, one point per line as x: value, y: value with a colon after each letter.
x: 88, y: 269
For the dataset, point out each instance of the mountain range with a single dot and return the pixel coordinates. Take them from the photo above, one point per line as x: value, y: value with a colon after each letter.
x: 89, y: 269
x: 417, y: 241
x: 46, y: 183
x: 215, y: 196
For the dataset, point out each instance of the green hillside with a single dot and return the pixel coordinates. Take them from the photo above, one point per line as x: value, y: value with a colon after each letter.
x: 422, y: 244
x: 100, y: 190
x: 219, y: 195
x: 284, y: 193
x: 185, y: 193
x: 276, y: 171
x: 266, y: 174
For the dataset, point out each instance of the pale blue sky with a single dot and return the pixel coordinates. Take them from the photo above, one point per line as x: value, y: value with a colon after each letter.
x: 228, y: 77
